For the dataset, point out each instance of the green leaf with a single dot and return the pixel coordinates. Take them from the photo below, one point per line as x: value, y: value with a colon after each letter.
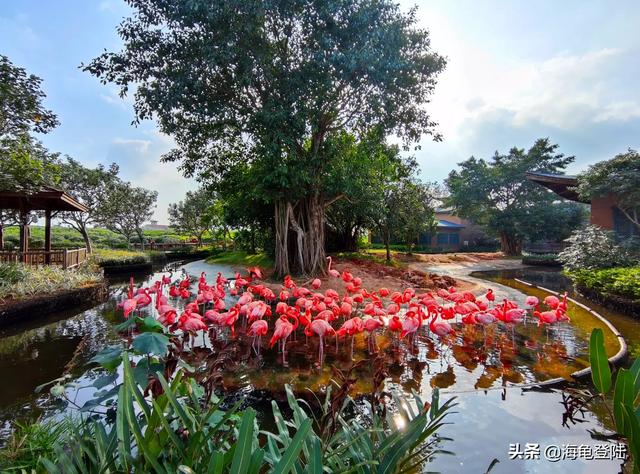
x: 143, y: 369
x: 109, y: 357
x: 631, y: 421
x: 149, y: 324
x: 600, y: 371
x: 105, y: 380
x: 623, y: 395
x: 151, y: 343
x: 635, y: 372
x: 292, y: 453
x: 244, y: 444
x: 125, y: 325
x: 314, y: 465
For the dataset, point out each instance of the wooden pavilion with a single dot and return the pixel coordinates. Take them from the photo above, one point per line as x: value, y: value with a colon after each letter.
x: 50, y: 200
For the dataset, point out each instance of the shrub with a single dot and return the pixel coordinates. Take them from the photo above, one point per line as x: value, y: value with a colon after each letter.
x: 11, y: 273
x: 624, y: 282
x: 116, y: 258
x: 593, y: 247
x: 541, y: 259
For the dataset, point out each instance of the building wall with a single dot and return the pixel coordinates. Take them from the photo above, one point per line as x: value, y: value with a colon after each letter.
x: 602, y: 212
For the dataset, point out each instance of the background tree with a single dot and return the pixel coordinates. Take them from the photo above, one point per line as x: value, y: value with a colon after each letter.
x: 25, y: 166
x: 126, y: 209
x: 269, y: 82
x: 21, y: 109
x: 190, y: 216
x: 496, y: 193
x: 362, y: 171
x: 619, y: 176
x: 414, y: 204
x: 91, y: 188
x: 214, y: 219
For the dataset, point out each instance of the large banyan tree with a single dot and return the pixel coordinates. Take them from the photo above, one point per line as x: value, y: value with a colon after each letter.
x: 268, y: 82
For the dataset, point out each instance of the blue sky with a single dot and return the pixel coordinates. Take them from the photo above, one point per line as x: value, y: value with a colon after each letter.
x: 517, y: 70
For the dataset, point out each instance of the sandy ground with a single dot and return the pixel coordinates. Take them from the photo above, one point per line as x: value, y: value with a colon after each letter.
x: 422, y: 272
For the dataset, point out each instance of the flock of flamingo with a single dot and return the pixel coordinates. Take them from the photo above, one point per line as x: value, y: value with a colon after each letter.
x: 320, y: 314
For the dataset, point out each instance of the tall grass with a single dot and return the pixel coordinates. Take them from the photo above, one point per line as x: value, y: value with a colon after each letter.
x: 18, y: 281
x: 111, y: 257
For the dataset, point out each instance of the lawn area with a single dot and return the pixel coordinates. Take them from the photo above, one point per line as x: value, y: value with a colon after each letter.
x: 241, y: 258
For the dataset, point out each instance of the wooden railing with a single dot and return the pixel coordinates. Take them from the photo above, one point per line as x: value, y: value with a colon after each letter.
x: 66, y: 258
x: 166, y: 246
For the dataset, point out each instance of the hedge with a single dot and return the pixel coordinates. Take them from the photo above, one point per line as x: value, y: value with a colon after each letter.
x: 622, y: 282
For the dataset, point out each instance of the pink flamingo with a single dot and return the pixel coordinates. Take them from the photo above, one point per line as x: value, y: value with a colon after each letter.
x: 371, y: 325
x: 258, y: 329
x: 321, y: 328
x: 333, y: 273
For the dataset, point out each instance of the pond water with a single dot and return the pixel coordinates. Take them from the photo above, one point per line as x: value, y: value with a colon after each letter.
x: 477, y: 366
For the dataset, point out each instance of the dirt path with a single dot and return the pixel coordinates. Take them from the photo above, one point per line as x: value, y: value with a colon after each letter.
x: 461, y: 270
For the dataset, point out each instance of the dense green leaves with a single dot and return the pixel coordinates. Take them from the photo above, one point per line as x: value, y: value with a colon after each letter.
x: 21, y: 98
x: 600, y: 371
x: 192, y: 215
x: 497, y: 194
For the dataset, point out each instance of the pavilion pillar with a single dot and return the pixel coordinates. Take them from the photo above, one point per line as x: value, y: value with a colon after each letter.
x: 24, y: 234
x: 47, y: 237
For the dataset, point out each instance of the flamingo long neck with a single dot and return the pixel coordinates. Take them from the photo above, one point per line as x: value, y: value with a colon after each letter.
x: 330, y: 261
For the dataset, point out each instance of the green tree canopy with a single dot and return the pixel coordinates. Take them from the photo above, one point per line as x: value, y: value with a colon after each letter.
x: 91, y: 187
x: 21, y: 109
x: 125, y: 210
x: 619, y: 176
x: 191, y: 216
x: 496, y: 193
x: 268, y: 82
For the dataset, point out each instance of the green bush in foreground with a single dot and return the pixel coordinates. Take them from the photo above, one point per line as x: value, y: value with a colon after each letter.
x: 31, y: 281
x: 624, y: 282
x: 179, y: 430
x: 626, y: 392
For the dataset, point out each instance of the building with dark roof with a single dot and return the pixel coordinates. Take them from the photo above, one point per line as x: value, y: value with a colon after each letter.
x: 604, y: 212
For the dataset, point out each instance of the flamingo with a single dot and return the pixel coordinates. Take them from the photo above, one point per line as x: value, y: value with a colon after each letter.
x: 333, y: 273
x: 371, y: 325
x: 283, y: 330
x: 258, y: 329
x: 321, y: 328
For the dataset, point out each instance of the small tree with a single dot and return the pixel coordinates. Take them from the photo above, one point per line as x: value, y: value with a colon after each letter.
x: 190, y: 216
x: 126, y: 209
x: 414, y: 208
x: 619, y: 176
x: 90, y: 187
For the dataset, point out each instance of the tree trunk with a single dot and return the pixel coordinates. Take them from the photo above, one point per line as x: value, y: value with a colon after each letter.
x: 300, y: 236
x: 387, y: 243
x: 1, y: 237
x: 87, y: 240
x: 253, y: 239
x: 224, y: 239
x: 141, y: 238
x: 510, y: 244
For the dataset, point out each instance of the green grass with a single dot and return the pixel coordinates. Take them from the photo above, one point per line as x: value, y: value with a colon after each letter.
x: 111, y: 257
x: 31, y: 281
x: 241, y: 258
